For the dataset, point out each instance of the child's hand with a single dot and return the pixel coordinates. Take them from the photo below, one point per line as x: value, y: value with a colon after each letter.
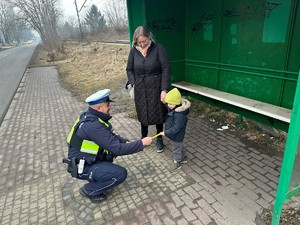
x: 162, y: 133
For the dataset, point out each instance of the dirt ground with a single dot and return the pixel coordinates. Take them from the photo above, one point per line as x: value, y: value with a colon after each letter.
x: 85, y: 67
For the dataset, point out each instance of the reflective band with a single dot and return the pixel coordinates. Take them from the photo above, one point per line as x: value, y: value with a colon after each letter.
x: 72, y: 131
x: 89, y: 151
x: 101, y: 121
x: 89, y: 147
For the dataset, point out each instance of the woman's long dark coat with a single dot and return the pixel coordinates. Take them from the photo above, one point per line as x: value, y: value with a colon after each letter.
x: 149, y: 75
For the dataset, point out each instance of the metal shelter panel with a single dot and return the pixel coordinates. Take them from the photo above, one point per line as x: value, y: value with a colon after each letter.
x: 242, y: 47
x: 295, y: 179
x: 289, y: 180
x: 249, y: 48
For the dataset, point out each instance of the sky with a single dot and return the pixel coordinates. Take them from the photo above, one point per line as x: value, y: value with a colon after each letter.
x: 69, y: 7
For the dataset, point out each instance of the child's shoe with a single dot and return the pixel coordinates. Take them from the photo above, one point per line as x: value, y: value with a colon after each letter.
x: 184, y: 160
x: 174, y: 166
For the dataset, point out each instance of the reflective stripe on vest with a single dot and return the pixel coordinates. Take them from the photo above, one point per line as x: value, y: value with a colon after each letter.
x: 87, y: 146
x: 72, y: 131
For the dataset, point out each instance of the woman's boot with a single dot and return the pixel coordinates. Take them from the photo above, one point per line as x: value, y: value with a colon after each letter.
x: 159, y: 145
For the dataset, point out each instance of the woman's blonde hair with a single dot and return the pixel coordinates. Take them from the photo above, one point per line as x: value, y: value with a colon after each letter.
x: 141, y: 31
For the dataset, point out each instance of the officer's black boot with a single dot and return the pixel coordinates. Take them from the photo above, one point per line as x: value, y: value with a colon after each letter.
x: 95, y: 199
x: 159, y: 145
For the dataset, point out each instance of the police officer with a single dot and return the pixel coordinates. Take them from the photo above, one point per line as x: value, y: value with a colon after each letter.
x: 93, y: 145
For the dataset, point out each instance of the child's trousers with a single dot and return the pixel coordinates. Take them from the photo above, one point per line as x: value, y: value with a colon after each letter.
x: 178, y: 150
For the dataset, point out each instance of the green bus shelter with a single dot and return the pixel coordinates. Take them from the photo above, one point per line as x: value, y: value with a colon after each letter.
x: 245, y: 48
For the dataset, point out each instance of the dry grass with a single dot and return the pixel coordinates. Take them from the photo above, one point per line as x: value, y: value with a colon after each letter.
x: 87, y: 67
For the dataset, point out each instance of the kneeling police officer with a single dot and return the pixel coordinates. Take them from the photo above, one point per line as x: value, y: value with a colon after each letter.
x: 92, y: 146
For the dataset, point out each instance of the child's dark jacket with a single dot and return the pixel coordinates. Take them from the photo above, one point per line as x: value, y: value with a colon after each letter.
x: 176, y: 121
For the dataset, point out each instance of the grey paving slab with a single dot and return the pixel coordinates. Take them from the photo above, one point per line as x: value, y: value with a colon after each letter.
x: 225, y: 182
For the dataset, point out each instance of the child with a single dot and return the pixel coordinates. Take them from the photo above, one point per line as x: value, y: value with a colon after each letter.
x: 178, y: 109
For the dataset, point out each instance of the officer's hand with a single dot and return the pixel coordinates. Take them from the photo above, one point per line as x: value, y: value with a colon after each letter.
x: 147, y: 141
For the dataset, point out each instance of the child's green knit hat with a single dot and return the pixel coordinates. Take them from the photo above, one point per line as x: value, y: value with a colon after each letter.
x: 173, y: 97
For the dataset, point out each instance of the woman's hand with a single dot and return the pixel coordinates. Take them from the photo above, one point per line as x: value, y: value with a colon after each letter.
x: 162, y: 96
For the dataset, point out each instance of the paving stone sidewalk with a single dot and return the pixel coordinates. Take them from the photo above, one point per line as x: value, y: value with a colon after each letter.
x: 225, y: 182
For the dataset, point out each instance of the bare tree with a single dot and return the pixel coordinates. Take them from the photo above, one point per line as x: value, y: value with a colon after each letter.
x: 43, y: 16
x: 12, y: 26
x: 78, y: 10
x: 7, y: 20
x: 69, y: 30
x: 116, y: 14
x: 18, y: 29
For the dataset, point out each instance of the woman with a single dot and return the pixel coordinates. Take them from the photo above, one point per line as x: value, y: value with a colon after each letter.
x: 148, y: 71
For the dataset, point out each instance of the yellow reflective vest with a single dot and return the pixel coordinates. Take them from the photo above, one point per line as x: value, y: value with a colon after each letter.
x: 86, y: 146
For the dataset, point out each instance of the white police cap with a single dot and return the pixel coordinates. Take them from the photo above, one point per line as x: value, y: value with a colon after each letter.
x: 98, y: 97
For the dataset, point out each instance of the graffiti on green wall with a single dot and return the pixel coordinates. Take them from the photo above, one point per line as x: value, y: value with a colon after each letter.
x: 168, y: 24
x: 204, y: 21
x: 249, y: 11
x: 276, y: 24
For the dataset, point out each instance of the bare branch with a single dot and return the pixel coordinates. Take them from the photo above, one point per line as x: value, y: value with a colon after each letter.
x: 43, y: 16
x: 82, y: 6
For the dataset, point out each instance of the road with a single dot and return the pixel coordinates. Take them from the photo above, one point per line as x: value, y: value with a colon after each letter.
x: 13, y: 64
